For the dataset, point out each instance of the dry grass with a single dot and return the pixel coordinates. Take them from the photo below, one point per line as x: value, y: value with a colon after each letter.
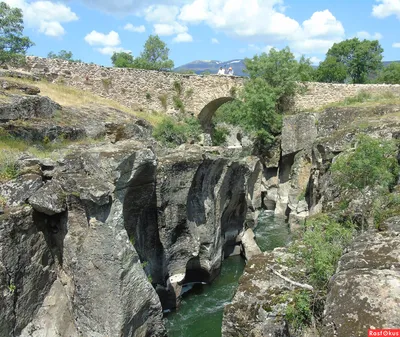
x: 70, y: 96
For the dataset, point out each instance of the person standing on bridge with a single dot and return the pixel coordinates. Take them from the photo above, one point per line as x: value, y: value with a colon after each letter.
x: 221, y: 71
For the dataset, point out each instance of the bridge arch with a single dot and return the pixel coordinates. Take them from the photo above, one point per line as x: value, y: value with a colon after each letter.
x: 206, y: 114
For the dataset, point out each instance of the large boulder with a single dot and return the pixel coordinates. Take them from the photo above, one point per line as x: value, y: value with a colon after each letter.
x: 365, y: 291
x: 27, y: 107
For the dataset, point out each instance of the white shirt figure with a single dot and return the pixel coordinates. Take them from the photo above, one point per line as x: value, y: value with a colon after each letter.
x: 230, y: 71
x: 221, y: 71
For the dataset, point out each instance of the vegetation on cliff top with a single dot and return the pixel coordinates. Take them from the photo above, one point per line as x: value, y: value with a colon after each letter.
x: 13, y: 45
x: 272, y: 85
x: 153, y: 57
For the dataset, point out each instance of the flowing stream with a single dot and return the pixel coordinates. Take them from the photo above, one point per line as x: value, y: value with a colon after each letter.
x: 201, y: 310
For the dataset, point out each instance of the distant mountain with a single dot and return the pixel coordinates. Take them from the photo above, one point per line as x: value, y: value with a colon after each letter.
x: 212, y: 66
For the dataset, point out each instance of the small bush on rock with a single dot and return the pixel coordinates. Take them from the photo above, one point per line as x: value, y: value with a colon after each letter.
x: 219, y: 135
x: 172, y: 133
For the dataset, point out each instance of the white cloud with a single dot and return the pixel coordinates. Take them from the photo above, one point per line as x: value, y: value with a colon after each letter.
x: 107, y: 43
x: 396, y: 45
x: 161, y: 13
x: 386, y: 8
x: 126, y: 7
x: 323, y: 24
x: 135, y: 29
x: 52, y: 28
x: 166, y: 29
x: 183, y: 37
x: 214, y: 41
x: 367, y: 36
x: 266, y: 19
x: 111, y: 50
x: 315, y: 60
x: 45, y: 16
x: 95, y: 38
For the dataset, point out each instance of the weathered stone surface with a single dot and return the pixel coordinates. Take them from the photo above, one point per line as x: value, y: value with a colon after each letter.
x: 365, y: 291
x: 116, y: 132
x: 27, y: 107
x: 18, y: 190
x: 256, y: 309
x: 130, y: 86
x: 100, y: 287
x: 26, y: 269
x: 49, y: 199
x: 298, y: 133
x: 250, y: 247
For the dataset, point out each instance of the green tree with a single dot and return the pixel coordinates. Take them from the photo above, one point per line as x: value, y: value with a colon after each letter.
x: 122, y: 60
x: 306, y: 70
x: 154, y: 55
x: 373, y: 163
x: 273, y: 82
x: 360, y: 57
x: 280, y: 70
x: 331, y: 71
x: 13, y: 45
x: 390, y: 74
x: 62, y: 55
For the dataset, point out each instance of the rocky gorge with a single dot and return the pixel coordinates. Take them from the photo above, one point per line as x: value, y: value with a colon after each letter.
x: 99, y: 238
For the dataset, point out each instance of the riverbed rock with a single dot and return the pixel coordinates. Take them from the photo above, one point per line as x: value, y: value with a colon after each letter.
x: 203, y: 202
x: 365, y: 291
x: 258, y: 307
x: 249, y: 244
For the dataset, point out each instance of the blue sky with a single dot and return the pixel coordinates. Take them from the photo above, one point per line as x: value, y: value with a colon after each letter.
x: 207, y: 29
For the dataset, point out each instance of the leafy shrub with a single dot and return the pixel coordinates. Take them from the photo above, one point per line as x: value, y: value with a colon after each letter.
x: 372, y: 163
x: 317, y: 251
x: 9, y: 168
x: 171, y: 132
x: 298, y: 312
x: 148, y: 95
x: 192, y: 128
x: 233, y: 91
x: 178, y: 87
x: 385, y: 207
x: 219, y: 135
x: 178, y: 104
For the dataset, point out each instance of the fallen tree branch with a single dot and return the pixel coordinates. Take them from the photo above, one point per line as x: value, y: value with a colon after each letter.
x: 297, y: 284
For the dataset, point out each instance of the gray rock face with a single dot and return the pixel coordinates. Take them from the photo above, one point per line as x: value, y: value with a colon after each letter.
x: 201, y: 203
x: 49, y: 199
x: 73, y: 270
x: 365, y: 292
x: 27, y: 107
x: 255, y: 309
x: 26, y: 269
x: 299, y: 132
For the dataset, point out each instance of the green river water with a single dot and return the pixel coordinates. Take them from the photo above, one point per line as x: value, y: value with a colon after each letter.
x: 201, y: 310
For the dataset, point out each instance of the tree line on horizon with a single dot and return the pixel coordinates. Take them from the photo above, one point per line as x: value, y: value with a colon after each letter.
x: 349, y: 61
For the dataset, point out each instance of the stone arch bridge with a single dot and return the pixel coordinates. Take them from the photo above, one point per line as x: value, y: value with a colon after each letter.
x: 143, y: 90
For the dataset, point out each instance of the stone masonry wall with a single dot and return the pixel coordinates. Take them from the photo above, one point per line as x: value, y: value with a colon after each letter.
x: 144, y: 90
x: 318, y: 95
